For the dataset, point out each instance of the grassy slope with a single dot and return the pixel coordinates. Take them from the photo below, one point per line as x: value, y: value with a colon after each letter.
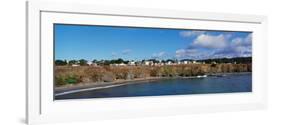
x: 86, y: 74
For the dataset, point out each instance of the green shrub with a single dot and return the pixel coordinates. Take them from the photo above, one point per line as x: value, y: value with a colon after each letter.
x: 71, y: 80
x: 59, y: 81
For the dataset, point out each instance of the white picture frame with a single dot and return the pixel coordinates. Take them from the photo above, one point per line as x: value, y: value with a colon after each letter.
x: 41, y: 108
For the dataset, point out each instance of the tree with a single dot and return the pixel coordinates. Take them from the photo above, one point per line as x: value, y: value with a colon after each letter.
x: 238, y: 60
x: 170, y: 60
x: 71, y: 62
x: 60, y: 62
x: 154, y: 60
x: 94, y: 61
x: 83, y: 62
x: 119, y: 61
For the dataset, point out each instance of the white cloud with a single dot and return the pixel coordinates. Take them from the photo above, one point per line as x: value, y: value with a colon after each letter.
x: 242, y: 41
x: 238, y: 47
x: 159, y: 55
x: 181, y: 53
x: 191, y: 54
x: 191, y: 33
x: 210, y: 41
x: 126, y: 51
x: 114, y: 54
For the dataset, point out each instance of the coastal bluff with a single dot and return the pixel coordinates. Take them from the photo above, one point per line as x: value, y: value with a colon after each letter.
x: 68, y: 75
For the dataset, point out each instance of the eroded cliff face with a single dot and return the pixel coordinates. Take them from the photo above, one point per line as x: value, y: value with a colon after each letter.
x: 85, y: 74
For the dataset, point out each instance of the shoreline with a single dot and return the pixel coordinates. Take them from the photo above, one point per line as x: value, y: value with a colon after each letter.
x: 93, y: 86
x: 63, y: 90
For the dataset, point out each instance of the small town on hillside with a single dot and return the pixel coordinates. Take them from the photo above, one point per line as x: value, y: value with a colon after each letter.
x: 128, y: 63
x: 150, y: 62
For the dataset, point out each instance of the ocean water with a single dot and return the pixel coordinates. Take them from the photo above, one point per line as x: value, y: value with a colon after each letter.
x: 230, y: 83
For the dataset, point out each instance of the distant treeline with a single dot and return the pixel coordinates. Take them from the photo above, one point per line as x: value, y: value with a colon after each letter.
x: 237, y: 60
x: 82, y: 62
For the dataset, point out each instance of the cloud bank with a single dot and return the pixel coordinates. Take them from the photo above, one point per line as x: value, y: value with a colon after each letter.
x: 191, y: 33
x: 222, y: 45
x: 210, y: 42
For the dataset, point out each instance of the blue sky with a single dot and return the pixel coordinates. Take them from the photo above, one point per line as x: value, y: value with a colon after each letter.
x: 105, y: 42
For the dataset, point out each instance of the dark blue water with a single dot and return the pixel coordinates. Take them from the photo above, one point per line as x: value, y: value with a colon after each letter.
x: 240, y: 82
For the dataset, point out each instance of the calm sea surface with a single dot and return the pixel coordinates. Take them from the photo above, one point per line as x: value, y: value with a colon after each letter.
x: 240, y: 82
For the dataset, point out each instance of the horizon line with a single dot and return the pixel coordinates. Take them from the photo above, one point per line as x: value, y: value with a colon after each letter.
x: 158, y: 59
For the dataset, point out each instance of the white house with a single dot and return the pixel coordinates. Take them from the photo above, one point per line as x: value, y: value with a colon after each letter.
x: 169, y: 63
x: 151, y: 63
x: 132, y: 63
x: 113, y: 65
x: 121, y: 64
x: 89, y: 63
x: 75, y: 65
x: 214, y: 62
x: 94, y: 64
x: 146, y: 63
